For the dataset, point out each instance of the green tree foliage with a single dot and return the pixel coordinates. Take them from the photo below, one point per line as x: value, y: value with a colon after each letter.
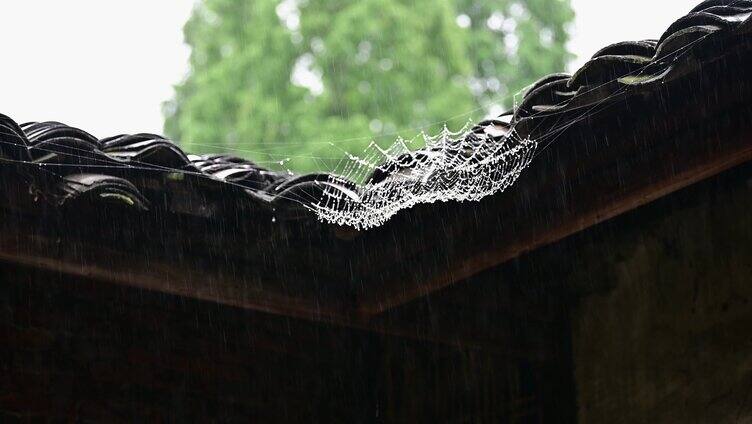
x: 310, y: 79
x: 512, y: 43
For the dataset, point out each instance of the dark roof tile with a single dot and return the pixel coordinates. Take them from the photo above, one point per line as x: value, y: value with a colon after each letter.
x: 644, y: 48
x: 75, y: 189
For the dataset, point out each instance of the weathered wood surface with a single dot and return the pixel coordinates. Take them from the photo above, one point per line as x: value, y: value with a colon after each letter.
x: 661, y: 330
x: 78, y: 350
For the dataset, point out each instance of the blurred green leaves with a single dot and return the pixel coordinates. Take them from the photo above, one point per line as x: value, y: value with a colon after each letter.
x: 307, y: 80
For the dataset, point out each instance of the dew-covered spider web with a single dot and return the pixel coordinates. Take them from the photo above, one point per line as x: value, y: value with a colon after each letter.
x: 453, y: 166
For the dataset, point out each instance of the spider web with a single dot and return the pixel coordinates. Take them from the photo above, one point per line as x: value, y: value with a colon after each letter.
x: 453, y: 166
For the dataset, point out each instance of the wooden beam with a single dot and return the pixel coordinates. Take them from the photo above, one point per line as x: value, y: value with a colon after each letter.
x: 466, y: 267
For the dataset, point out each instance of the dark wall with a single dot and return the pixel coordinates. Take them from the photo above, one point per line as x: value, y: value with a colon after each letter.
x: 663, y: 330
x: 88, y: 351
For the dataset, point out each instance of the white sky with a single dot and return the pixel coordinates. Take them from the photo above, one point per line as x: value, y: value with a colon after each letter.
x: 106, y: 66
